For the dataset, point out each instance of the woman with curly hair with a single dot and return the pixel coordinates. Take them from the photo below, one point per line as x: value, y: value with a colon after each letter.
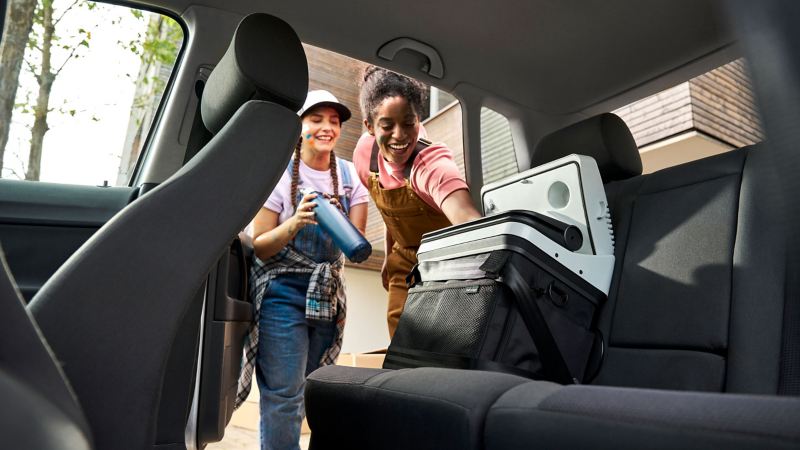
x: 297, y: 279
x: 415, y: 184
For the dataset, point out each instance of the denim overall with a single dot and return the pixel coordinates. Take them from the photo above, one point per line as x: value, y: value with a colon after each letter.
x: 290, y: 346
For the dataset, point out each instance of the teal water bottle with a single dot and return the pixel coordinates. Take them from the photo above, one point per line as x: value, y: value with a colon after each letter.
x: 345, y: 235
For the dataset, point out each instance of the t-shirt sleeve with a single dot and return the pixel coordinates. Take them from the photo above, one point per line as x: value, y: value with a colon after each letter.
x: 361, y: 156
x: 436, y: 173
x: 279, y: 196
x: 359, y: 194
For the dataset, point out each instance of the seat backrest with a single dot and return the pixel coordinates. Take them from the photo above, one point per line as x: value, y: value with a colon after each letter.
x: 112, y: 311
x: 696, y: 301
x: 39, y: 408
x: 671, y: 301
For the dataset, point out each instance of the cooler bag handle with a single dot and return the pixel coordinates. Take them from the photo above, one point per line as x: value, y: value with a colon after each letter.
x: 553, y: 364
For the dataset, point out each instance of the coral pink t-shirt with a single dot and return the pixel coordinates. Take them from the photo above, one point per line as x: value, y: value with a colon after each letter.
x: 434, y: 174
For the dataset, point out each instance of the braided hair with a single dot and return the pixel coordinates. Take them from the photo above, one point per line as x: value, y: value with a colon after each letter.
x: 296, y: 173
x: 379, y: 84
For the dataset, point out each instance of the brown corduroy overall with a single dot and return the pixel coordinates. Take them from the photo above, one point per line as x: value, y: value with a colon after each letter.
x: 407, y: 218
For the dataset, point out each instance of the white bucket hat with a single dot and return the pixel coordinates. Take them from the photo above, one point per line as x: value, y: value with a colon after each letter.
x: 324, y: 98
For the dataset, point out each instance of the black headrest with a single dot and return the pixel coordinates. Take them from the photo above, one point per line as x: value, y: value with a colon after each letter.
x: 604, y: 137
x: 265, y: 61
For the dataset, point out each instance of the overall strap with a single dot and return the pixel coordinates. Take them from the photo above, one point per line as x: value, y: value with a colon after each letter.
x: 290, y: 167
x: 373, y: 160
x: 341, y: 163
x: 344, y: 168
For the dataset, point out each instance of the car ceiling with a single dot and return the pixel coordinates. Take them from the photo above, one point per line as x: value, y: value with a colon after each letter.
x: 556, y: 57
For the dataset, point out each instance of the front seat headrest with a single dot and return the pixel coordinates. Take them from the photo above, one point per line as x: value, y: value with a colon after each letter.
x: 265, y: 61
x: 604, y: 137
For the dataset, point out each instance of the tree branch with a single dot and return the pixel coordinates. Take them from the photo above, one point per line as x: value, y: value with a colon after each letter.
x: 71, y: 54
x: 65, y: 12
x: 34, y: 70
x: 19, y: 176
x: 36, y: 46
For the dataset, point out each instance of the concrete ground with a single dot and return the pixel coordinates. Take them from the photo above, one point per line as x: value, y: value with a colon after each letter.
x: 238, y: 438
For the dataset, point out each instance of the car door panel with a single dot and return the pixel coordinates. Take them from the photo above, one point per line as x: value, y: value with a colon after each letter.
x: 42, y: 224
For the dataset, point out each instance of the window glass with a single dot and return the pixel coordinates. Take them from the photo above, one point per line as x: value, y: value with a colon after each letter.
x: 497, y: 147
x: 342, y: 76
x: 90, y: 79
x: 707, y: 115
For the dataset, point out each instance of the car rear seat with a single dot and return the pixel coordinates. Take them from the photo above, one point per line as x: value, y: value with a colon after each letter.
x: 696, y: 304
x: 685, y: 289
x: 689, y: 307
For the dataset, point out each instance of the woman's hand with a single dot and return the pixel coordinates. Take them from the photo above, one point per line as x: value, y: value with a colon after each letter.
x: 303, y: 215
x: 335, y: 201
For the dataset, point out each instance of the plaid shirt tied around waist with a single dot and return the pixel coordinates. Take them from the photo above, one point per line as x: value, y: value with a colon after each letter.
x: 325, y: 300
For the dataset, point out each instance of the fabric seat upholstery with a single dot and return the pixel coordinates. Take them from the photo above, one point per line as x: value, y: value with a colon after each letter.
x: 672, y: 320
x: 111, y: 312
x: 716, y: 238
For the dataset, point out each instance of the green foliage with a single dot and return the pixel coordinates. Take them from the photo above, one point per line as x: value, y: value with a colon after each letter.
x: 157, y: 47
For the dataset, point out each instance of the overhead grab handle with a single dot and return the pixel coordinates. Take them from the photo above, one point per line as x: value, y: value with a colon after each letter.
x: 433, y: 65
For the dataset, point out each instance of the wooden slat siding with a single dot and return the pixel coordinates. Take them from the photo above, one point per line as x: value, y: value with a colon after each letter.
x: 374, y: 262
x: 341, y: 76
x: 723, y: 105
x: 497, y: 148
x: 445, y: 126
x: 659, y: 116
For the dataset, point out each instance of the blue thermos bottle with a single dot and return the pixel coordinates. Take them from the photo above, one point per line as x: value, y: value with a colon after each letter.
x: 346, y: 236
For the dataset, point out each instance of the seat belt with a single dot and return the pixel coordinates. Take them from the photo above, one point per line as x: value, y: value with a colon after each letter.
x: 199, y: 136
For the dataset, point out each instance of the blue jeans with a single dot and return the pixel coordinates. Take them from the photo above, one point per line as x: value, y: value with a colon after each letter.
x: 289, y: 348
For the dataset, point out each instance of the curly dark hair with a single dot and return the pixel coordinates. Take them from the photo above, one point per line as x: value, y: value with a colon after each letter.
x: 379, y: 83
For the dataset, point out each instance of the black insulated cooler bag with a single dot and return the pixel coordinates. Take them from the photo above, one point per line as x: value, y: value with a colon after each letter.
x: 485, y: 297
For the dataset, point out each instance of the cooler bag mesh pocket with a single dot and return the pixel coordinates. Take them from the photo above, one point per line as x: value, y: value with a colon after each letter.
x: 448, y: 317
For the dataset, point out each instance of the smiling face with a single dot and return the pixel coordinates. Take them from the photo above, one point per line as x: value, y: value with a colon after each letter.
x: 395, y: 126
x: 321, y: 129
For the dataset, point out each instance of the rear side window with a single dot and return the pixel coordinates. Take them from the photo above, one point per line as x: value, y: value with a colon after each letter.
x: 707, y: 115
x: 80, y: 88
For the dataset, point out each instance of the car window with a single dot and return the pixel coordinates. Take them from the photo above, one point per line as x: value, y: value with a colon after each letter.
x: 89, y: 83
x: 342, y: 76
x: 709, y: 114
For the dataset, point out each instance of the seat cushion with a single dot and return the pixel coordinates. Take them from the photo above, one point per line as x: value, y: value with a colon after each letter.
x: 402, y: 409
x: 533, y: 415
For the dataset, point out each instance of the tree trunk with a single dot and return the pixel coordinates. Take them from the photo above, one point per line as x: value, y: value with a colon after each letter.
x: 18, y: 22
x: 46, y: 78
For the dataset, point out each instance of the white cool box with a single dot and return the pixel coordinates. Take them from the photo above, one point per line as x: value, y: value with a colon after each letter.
x: 559, y: 207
